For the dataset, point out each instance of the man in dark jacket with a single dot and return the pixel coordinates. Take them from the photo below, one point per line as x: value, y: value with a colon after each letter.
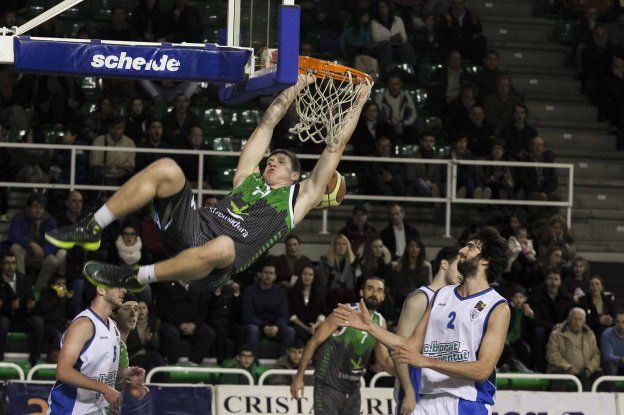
x: 383, y: 178
x: 357, y: 229
x: 539, y: 183
x: 461, y: 29
x: 398, y: 233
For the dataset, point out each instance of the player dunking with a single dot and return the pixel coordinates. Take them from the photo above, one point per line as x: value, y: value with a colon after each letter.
x: 217, y: 241
x: 460, y: 338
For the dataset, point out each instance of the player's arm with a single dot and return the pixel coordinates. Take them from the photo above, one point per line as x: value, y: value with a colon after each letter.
x: 321, y: 334
x: 382, y: 356
x: 259, y: 141
x: 78, y: 335
x: 489, y: 351
x: 312, y: 189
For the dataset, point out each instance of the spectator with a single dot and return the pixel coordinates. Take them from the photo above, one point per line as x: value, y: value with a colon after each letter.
x: 112, y: 168
x: 97, y: 122
x: 183, y: 310
x: 61, y: 159
x: 167, y: 91
x: 577, y: 281
x: 498, y: 178
x: 398, y: 232
x: 188, y: 163
x: 5, y: 175
x: 411, y: 272
x: 374, y: 262
x: 290, y: 361
x: 245, y: 359
x: 224, y: 316
x: 469, y: 182
x: 153, y: 140
x: 118, y: 28
x: 356, y: 37
x: 26, y: 236
x: 31, y: 165
x: 136, y: 120
x: 129, y: 250
x: 183, y: 23
x: 397, y: 107
x: 56, y: 309
x: 305, y: 303
x: 596, y: 59
x: 460, y: 107
x: 517, y: 352
x: 558, y: 235
x: 265, y: 311
x: 582, y: 33
x: 357, y: 229
x: 389, y: 37
x: 149, y: 21
x: 179, y: 121
x: 518, y: 134
x: 290, y: 264
x: 616, y: 31
x: 446, y: 82
x: 612, y: 102
x: 461, y: 30
x: 17, y: 308
x: 499, y: 107
x: 479, y: 132
x: 144, y: 342
x: 424, y: 179
x: 551, y: 261
x: 336, y: 273
x: 522, y: 258
x: 487, y: 77
x: 15, y: 97
x: 384, y: 178
x: 538, y: 183
x: 573, y: 350
x: 57, y: 99
x: 426, y: 39
x: 598, y: 305
x: 551, y: 305
x: 612, y: 346
x: 368, y: 130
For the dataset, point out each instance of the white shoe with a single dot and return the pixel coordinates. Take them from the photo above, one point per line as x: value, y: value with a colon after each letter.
x: 461, y: 193
x: 487, y: 193
x: 478, y: 193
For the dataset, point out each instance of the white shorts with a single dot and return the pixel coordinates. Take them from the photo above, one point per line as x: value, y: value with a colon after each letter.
x: 450, y: 405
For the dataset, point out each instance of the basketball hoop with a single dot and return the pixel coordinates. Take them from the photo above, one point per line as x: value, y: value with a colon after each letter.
x: 325, y: 106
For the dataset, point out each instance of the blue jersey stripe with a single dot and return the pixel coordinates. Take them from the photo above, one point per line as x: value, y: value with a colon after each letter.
x: 63, y: 398
x: 465, y: 407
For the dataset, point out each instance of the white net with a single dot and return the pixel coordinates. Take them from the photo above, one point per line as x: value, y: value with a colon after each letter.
x: 326, y: 106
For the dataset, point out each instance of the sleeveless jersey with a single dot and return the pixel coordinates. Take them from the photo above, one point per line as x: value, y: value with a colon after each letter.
x: 255, y: 216
x: 342, y: 359
x: 98, y: 360
x: 454, y: 333
x: 414, y: 372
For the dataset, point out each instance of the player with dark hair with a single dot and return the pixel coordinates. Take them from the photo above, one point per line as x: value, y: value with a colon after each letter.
x: 460, y: 338
x: 214, y: 242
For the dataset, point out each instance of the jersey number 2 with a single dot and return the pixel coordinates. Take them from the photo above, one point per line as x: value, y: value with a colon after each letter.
x: 451, y: 323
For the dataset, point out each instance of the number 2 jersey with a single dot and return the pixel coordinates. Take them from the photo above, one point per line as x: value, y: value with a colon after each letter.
x: 455, y: 330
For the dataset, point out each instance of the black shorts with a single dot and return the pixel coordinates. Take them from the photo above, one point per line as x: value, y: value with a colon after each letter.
x: 330, y: 401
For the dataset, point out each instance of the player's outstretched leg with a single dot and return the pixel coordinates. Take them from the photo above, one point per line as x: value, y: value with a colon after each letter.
x: 162, y: 178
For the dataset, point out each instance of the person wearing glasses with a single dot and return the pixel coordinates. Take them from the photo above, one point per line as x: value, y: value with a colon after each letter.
x: 459, y: 340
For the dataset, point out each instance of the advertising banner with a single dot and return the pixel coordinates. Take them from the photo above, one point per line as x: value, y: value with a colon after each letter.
x: 553, y: 403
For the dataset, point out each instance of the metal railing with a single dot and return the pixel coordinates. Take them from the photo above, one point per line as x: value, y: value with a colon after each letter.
x: 450, y: 191
x: 308, y: 372
x: 18, y: 369
x: 36, y: 368
x: 603, y: 379
x: 216, y: 370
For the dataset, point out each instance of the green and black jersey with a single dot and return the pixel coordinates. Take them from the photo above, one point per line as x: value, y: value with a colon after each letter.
x: 342, y: 358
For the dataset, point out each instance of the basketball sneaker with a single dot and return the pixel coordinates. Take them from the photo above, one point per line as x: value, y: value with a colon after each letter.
x: 85, y: 233
x: 111, y: 276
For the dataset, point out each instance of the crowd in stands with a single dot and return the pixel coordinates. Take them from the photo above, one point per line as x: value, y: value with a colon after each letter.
x: 562, y: 319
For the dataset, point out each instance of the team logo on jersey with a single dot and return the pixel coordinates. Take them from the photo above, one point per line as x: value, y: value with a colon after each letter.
x: 357, y: 365
x: 237, y: 212
x: 263, y: 192
x: 477, y: 309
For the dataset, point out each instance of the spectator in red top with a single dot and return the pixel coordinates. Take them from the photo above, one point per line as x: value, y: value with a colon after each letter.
x: 358, y: 230
x: 305, y: 304
x: 290, y: 264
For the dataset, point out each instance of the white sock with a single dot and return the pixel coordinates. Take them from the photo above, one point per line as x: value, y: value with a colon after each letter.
x: 104, y: 216
x: 146, y: 274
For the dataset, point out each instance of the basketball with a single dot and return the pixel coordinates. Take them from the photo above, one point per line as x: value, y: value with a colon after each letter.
x: 334, y: 192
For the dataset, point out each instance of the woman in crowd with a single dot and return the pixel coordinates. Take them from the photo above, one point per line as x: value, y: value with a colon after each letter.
x: 336, y: 274
x: 599, y: 307
x: 130, y: 251
x: 375, y: 261
x: 137, y: 118
x: 411, y: 272
x: 558, y: 235
x: 305, y: 304
x: 389, y: 37
x: 576, y: 282
x: 144, y: 342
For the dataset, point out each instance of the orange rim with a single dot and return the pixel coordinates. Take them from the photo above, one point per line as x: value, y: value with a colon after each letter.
x: 322, y: 69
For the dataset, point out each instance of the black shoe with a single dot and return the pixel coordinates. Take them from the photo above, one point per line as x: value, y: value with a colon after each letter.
x: 85, y: 233
x: 111, y: 276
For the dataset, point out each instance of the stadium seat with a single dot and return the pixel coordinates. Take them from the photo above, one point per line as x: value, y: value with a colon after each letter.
x: 426, y: 69
x: 160, y: 111
x: 222, y: 144
x: 181, y: 376
x: 15, y: 136
x: 244, y: 122
x: 433, y: 123
x: 405, y: 150
x: 352, y: 182
x: 442, y: 151
x: 419, y: 95
x: 212, y: 120
x: 563, y: 32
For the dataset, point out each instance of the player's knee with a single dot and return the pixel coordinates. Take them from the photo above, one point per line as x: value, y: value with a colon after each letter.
x: 167, y: 167
x: 219, y: 252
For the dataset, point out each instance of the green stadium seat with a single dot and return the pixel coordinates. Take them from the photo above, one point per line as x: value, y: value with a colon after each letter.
x: 419, y: 95
x: 225, y: 177
x: 222, y: 144
x: 352, y: 182
x: 181, y: 376
x: 212, y: 120
x: 15, y: 136
x: 406, y: 67
x: 405, y: 150
x: 442, y: 151
x: 160, y: 111
x: 425, y: 71
x: 16, y: 336
x: 563, y: 32
x: 433, y: 123
x: 244, y: 122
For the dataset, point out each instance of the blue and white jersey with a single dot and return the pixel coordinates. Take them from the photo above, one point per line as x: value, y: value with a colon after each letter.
x: 414, y: 372
x: 98, y: 360
x: 454, y: 333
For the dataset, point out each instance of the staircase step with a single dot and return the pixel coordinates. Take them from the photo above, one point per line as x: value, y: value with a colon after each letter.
x: 502, y: 8
x: 556, y: 88
x: 616, y: 215
x: 605, y: 198
x: 572, y: 125
x: 596, y: 169
x: 567, y: 139
x: 505, y: 30
x: 551, y: 110
x: 543, y: 55
x: 533, y: 71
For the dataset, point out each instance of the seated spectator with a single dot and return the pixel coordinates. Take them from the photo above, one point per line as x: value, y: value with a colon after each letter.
x: 164, y: 91
x: 398, y: 232
x: 137, y: 120
x: 499, y: 107
x: 460, y: 107
x: 224, y: 316
x: 612, y: 346
x: 112, y: 167
x: 28, y: 244
x: 411, y: 272
x: 612, y: 104
x: 358, y: 230
x: 596, y: 59
x: 17, y: 308
x: 356, y: 38
x: 153, y: 140
x: 369, y: 129
x: 183, y: 23
x: 469, y: 182
x: 397, y: 108
x: 389, y: 37
x: 144, y: 343
x: 245, y: 359
x: 518, y: 134
x: 424, y: 179
x: 498, y: 178
x: 376, y: 261
x: 129, y: 250
x: 550, y: 304
x: 598, y: 305
x: 384, y: 178
x: 178, y: 122
x: 573, y: 350
x: 15, y: 96
x: 61, y: 159
x: 446, y: 82
x: 56, y: 309
x: 558, y: 235
x: 336, y: 273
x: 306, y: 305
x: 479, y: 132
x: 31, y: 165
x: 582, y: 33
x: 118, y: 28
x: 615, y: 32
x: 189, y: 165
x: 5, y: 175
x: 149, y: 21
x: 549, y: 262
x: 461, y: 30
x: 291, y: 361
x: 426, y: 39
x: 487, y: 78
x: 290, y: 264
x: 96, y: 123
x: 265, y: 311
x: 516, y: 356
x: 522, y: 258
x: 576, y: 282
x: 57, y: 99
x: 538, y: 183
x: 183, y: 310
